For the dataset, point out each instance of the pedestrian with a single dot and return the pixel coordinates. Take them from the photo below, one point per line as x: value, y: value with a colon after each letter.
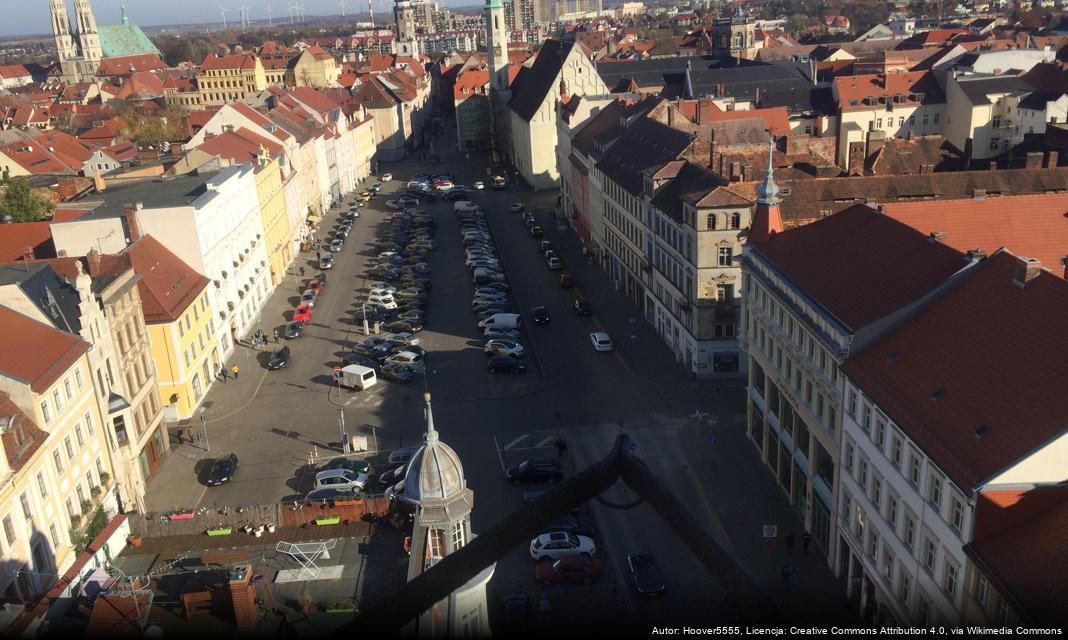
x: 806, y: 541
x: 301, y: 271
x: 236, y: 370
x: 789, y: 539
x: 276, y: 342
x: 223, y: 373
x: 561, y: 447
x: 785, y: 571
x: 318, y: 255
x: 188, y: 434
x: 180, y: 436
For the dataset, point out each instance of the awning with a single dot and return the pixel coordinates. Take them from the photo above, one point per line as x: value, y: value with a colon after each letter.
x: 315, y: 219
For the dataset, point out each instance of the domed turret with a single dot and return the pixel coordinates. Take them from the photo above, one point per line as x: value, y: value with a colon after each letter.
x: 435, y: 472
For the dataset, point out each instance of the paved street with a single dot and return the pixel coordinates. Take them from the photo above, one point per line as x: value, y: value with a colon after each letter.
x: 275, y: 421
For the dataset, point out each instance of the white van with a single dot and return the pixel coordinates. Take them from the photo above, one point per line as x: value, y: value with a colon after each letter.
x: 502, y: 320
x: 355, y: 376
x: 464, y: 206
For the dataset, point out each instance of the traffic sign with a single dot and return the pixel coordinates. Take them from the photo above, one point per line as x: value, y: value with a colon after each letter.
x: 711, y: 439
x: 771, y: 531
x: 337, y: 372
x: 633, y: 446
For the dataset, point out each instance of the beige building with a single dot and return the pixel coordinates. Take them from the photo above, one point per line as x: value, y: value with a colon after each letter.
x: 55, y: 467
x: 223, y: 79
x: 315, y: 68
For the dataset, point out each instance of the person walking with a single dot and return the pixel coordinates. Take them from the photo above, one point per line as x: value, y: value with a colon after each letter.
x: 180, y: 432
x: 789, y: 539
x: 236, y: 370
x: 301, y: 271
x: 189, y: 434
x: 276, y: 340
x: 223, y: 374
x: 806, y: 541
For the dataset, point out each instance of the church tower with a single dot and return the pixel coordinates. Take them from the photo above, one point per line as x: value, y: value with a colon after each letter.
x: 88, y: 37
x: 767, y: 220
x: 404, y: 15
x: 65, y: 49
x: 497, y: 45
x: 435, y: 487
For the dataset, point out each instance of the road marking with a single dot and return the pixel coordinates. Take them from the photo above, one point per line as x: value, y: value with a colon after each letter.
x: 513, y: 443
x: 546, y: 442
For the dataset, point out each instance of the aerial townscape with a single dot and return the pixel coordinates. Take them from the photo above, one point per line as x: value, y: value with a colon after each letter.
x: 766, y: 335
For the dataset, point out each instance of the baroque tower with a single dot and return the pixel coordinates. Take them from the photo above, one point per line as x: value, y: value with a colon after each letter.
x: 404, y: 15
x: 65, y: 49
x: 497, y: 45
x: 435, y: 488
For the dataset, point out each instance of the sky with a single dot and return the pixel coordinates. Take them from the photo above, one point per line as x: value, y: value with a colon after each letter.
x: 32, y: 15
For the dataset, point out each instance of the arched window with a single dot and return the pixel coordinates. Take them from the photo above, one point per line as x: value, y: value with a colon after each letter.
x: 736, y: 221
x: 739, y: 40
x: 710, y: 223
x: 496, y: 25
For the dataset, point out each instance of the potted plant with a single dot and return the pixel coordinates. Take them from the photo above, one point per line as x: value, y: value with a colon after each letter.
x: 135, y: 540
x: 95, y: 492
x: 105, y: 478
x: 328, y: 520
x: 339, y: 605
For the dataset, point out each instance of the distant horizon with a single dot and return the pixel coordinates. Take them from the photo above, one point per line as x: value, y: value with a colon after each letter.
x: 34, y: 20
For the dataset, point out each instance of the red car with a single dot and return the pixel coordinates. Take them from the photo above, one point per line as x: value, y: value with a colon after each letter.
x: 316, y: 286
x: 302, y: 314
x: 568, y: 570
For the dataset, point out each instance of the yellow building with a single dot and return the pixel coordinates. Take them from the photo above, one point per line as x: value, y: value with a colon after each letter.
x: 180, y: 326
x: 275, y: 222
x: 223, y: 79
x: 315, y: 68
x: 55, y: 469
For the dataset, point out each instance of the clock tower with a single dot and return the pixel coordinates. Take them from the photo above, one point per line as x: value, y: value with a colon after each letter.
x: 497, y: 45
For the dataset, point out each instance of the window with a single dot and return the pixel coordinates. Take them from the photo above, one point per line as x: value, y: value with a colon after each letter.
x: 89, y: 423
x: 934, y: 491
x: 995, y: 142
x: 925, y: 610
x: 89, y: 479
x: 895, y: 451
x: 949, y: 579
x: 457, y: 535
x: 880, y: 433
x: 70, y: 509
x: 877, y: 491
x: 865, y: 420
x: 888, y: 564
x: 69, y: 447
x: 996, y: 122
x: 981, y: 588
x: 956, y: 513
x: 710, y: 222
x: 904, y: 586
x: 1003, y: 613
x: 78, y: 379
x: 849, y: 452
x: 27, y: 511
x: 68, y: 389
x: 57, y: 399
x: 891, y: 509
x: 58, y: 459
x: 46, y: 413
x: 930, y: 553
x: 914, y: 468
x: 99, y: 468
x: 925, y: 118
x: 54, y: 535
x: 9, y: 530
x: 862, y: 473
x: 78, y: 435
x: 851, y: 405
x: 42, y: 484
x: 908, y: 533
x: 936, y: 117
x: 873, y: 544
x: 725, y: 256
x: 878, y: 123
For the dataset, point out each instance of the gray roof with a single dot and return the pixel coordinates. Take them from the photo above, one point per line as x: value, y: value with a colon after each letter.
x: 647, y: 143
x: 56, y: 298
x: 742, y: 81
x: 534, y: 83
x: 170, y: 191
x: 978, y: 88
x: 654, y: 72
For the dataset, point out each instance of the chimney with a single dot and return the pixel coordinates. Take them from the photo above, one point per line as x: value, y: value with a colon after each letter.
x: 977, y: 254
x: 938, y: 236
x: 736, y: 171
x: 177, y: 150
x: 1051, y: 159
x: 1034, y: 160
x: 130, y: 211
x: 1026, y: 270
x: 243, y: 596
x: 93, y: 258
x: 926, y: 169
x: 756, y: 100
x: 671, y: 116
x: 98, y: 181
x: 700, y: 104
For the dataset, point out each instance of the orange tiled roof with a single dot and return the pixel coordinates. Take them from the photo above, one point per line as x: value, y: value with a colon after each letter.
x: 168, y: 285
x: 21, y: 436
x: 236, y: 61
x: 35, y: 353
x: 852, y: 90
x: 20, y: 236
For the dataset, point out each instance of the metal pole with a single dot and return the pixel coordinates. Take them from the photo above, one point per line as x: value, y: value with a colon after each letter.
x: 204, y: 424
x: 366, y: 329
x: 345, y: 447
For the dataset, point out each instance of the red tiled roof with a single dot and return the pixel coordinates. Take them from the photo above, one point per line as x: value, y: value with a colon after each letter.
x: 16, y: 237
x: 21, y: 435
x: 125, y: 65
x: 168, y: 285
x: 241, y: 145
x: 1035, y: 226
x: 237, y: 61
x: 850, y: 88
x: 314, y: 100
x: 35, y: 353
x: 14, y: 71
x: 988, y: 353
x: 859, y: 265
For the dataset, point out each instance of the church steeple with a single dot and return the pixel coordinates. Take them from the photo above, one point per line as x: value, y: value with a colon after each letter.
x: 88, y: 37
x: 497, y: 45
x: 65, y: 49
x: 767, y: 220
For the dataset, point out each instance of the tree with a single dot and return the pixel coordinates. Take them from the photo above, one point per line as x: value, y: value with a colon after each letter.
x: 22, y: 204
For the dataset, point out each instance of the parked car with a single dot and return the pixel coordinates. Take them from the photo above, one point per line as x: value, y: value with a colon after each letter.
x: 279, y: 359
x: 308, y: 298
x: 336, y: 246
x: 222, y: 470
x: 342, y: 479
x: 386, y: 301
x: 409, y: 293
x: 544, y: 246
x: 408, y: 359
x: 382, y: 286
x: 554, y: 264
x: 355, y: 465
x: 402, y: 456
x: 556, y: 545
x: 408, y: 201
x: 326, y: 262
x: 293, y: 330
x: 396, y: 372
x: 601, y: 341
x: 569, y: 570
x: 358, y: 358
x: 541, y: 315
x: 535, y: 470
x: 506, y: 364
x: 402, y: 339
x: 493, y: 333
x: 536, y: 231
x: 315, y: 285
x: 393, y: 204
x: 581, y: 307
x: 302, y: 314
x: 500, y: 347
x: 386, y: 177
x: 645, y: 574
x: 517, y: 207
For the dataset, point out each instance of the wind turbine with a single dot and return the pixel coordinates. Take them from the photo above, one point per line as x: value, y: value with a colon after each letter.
x: 244, y: 17
x: 269, y: 22
x: 223, y: 10
x: 342, y: 3
x: 301, y: 7
x: 292, y: 8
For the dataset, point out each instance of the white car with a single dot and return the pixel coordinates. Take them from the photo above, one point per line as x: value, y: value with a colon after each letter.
x: 560, y: 544
x: 385, y: 301
x: 383, y: 286
x: 326, y: 262
x: 386, y: 177
x: 341, y: 479
x: 479, y: 186
x: 393, y: 204
x: 517, y: 207
x: 501, y: 347
x: 601, y: 341
x: 380, y: 293
x: 413, y: 361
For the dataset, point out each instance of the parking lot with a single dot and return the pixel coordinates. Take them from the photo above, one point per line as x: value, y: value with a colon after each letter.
x: 285, y: 424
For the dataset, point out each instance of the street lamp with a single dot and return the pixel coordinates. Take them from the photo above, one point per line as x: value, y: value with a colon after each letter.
x: 204, y: 426
x: 366, y: 329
